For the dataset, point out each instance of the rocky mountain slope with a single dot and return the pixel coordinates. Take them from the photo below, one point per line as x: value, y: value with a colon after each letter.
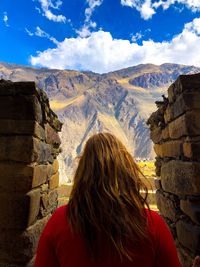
x: 119, y: 102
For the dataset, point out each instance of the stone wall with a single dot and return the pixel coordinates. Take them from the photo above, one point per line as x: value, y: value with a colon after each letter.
x: 29, y: 145
x: 175, y: 131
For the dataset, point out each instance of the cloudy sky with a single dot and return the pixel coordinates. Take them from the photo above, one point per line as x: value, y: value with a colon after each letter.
x: 99, y: 35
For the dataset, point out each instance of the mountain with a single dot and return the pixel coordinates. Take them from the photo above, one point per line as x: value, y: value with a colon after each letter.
x: 119, y: 102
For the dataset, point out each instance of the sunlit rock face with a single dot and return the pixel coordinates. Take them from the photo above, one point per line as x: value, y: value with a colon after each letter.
x: 118, y: 102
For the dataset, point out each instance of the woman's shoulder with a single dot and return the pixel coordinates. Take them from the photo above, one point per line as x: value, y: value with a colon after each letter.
x: 155, y: 221
x: 157, y: 226
x: 153, y: 215
x: 58, y: 218
x: 60, y: 211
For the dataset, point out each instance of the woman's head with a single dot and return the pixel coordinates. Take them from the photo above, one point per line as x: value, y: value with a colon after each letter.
x: 105, y: 198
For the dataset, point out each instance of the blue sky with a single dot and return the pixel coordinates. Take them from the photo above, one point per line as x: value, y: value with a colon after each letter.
x: 99, y: 35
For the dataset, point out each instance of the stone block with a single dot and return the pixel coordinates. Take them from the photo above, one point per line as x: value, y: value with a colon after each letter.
x: 167, y: 207
x: 54, y: 181
x: 50, y: 170
x: 186, y: 125
x: 23, y: 127
x: 158, y: 164
x: 53, y: 196
x: 34, y: 205
x: 178, y: 128
x: 185, y: 102
x: 188, y: 235
x: 9, y: 88
x: 56, y: 124
x: 165, y: 133
x: 15, y: 177
x: 52, y: 136
x: 32, y: 234
x: 19, y: 247
x: 193, y: 139
x: 192, y: 209
x: 181, y: 178
x: 191, y: 150
x: 184, y: 83
x: 20, y: 107
x: 18, y: 177
x: 43, y: 98
x: 24, y: 149
x: 193, y: 122
x: 40, y: 174
x: 53, y: 120
x: 42, y: 152
x: 39, y: 131
x: 55, y: 152
x: 168, y: 114
x: 45, y: 200
x: 171, y: 149
x: 44, y: 188
x: 55, y: 166
x: 14, y: 211
x: 171, y: 225
x: 187, y: 83
x: 185, y: 256
x: 155, y: 135
x: 49, y: 202
x: 19, y: 210
x: 17, y: 148
x: 158, y: 183
x: 171, y: 93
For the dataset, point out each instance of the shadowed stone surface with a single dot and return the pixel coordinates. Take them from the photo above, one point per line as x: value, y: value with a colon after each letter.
x: 192, y: 209
x: 167, y: 207
x: 178, y: 163
x: 29, y: 174
x: 181, y: 178
x: 189, y: 235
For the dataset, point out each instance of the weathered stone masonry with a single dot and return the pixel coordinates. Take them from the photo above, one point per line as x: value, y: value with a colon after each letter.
x: 29, y: 145
x: 175, y: 130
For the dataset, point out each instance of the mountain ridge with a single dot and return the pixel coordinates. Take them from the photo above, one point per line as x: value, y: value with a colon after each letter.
x: 119, y: 102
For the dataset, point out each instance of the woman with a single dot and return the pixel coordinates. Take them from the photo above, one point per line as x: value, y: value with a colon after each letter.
x: 107, y: 221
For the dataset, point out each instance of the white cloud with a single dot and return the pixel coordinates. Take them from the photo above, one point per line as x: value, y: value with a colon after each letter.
x: 46, y: 5
x: 85, y: 30
x: 101, y: 53
x: 143, y: 6
x: 5, y: 18
x: 92, y: 5
x: 129, y: 3
x: 38, y: 9
x: 194, y: 5
x: 136, y: 36
x: 29, y: 32
x: 40, y: 33
x: 147, y: 8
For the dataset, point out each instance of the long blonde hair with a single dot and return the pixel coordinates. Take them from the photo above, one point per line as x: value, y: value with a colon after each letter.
x: 106, y: 199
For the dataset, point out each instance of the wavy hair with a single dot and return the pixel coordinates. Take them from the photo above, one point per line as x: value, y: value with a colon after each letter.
x: 106, y: 199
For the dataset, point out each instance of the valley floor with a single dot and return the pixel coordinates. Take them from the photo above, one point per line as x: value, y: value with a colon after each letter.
x: 147, y: 168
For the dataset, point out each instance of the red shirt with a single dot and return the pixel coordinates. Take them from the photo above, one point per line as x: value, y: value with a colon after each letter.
x: 58, y: 247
